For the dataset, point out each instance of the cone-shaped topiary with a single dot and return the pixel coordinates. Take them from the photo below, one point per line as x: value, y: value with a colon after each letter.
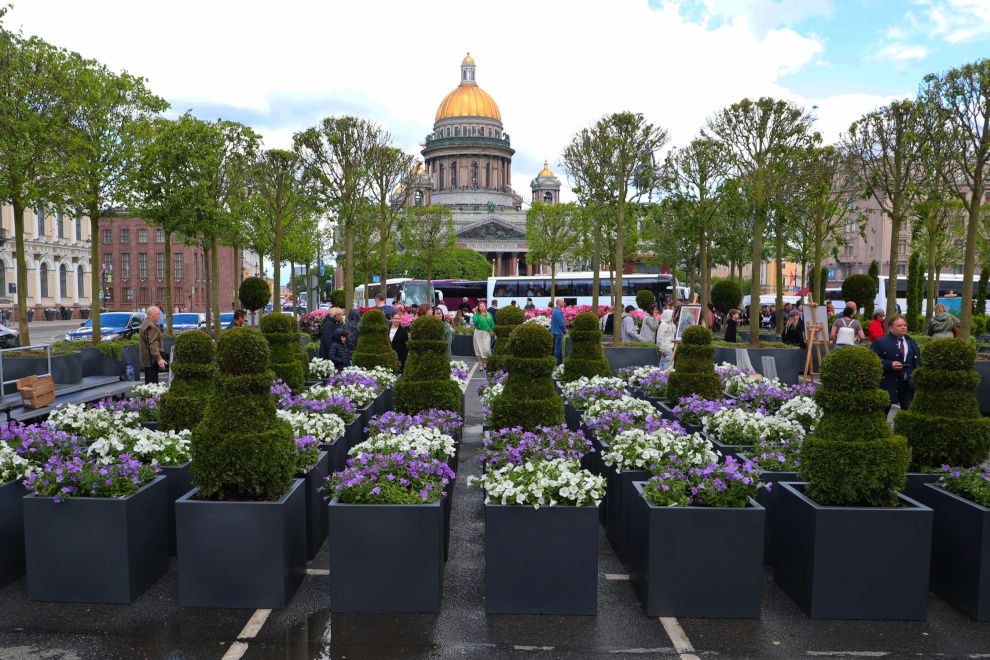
x: 587, y: 356
x: 373, y: 347
x: 241, y: 450
x: 530, y: 398
x: 426, y: 382
x: 853, y: 458
x: 694, y: 369
x: 282, y: 333
x: 254, y: 293
x: 506, y: 319
x: 943, y: 426
x: 193, y: 370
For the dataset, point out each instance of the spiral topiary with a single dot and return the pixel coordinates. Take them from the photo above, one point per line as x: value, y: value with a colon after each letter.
x: 282, y: 333
x: 943, y: 426
x: 425, y: 383
x: 193, y: 371
x: 694, y: 368
x: 254, y: 293
x: 587, y: 356
x: 373, y: 346
x: 853, y: 458
x: 241, y: 450
x: 506, y: 320
x: 530, y: 398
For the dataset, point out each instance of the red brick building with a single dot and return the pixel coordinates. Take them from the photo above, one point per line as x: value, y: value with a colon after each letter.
x: 132, y: 264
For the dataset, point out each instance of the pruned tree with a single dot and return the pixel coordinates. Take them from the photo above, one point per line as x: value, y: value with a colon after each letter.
x: 388, y: 167
x: 552, y: 231
x: 427, y: 232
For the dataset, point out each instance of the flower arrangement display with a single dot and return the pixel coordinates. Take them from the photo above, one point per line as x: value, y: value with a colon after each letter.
x: 635, y: 449
x: 506, y: 320
x: 149, y: 390
x: 90, y: 423
x: 692, y: 409
x: 606, y: 418
x: 515, y: 446
x: 694, y: 370
x: 312, y: 323
x: 282, y: 333
x: 651, y: 381
x: 391, y: 422
x: 397, y: 478
x: 459, y: 373
x: 425, y: 383
x: 730, y: 484
x: 558, y: 373
x: 571, y: 312
x: 194, y: 371
x: 778, y: 455
x: 147, y: 445
x: 62, y: 477
x: 725, y: 371
x: 321, y: 368
x: 373, y: 346
x: 972, y: 483
x: 539, y: 320
x: 765, y: 395
x: 541, y: 483
x: 359, y: 394
x: 381, y: 377
x: 36, y: 443
x: 326, y: 427
x: 341, y: 406
x: 737, y: 427
x: 422, y: 440
x: 12, y: 465
x: 587, y: 358
x: 489, y: 390
x: 581, y: 392
x: 145, y: 407
x: 803, y: 410
x: 307, y: 453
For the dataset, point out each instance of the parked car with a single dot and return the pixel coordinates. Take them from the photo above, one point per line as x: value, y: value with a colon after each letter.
x: 187, y: 321
x: 9, y: 338
x: 299, y: 308
x: 113, y: 325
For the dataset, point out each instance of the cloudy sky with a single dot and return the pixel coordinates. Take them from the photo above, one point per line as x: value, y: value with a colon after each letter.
x: 553, y: 66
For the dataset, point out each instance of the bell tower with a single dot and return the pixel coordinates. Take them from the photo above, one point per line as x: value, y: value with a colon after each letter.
x: 546, y: 186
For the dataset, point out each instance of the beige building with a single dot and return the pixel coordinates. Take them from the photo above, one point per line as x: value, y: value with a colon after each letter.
x: 58, y: 261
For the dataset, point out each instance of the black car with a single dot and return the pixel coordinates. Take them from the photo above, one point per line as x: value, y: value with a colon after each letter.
x: 9, y: 338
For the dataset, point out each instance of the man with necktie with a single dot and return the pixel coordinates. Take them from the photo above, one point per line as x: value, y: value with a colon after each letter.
x: 900, y: 356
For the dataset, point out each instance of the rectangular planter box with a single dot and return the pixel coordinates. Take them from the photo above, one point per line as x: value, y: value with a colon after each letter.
x: 336, y: 453
x: 241, y: 554
x: 960, y: 551
x: 178, y: 480
x: 767, y: 499
x: 729, y: 450
x: 541, y: 561
x: 388, y: 400
x: 619, y: 494
x: 95, y: 363
x: 619, y: 358
x: 316, y: 519
x: 914, y: 487
x: 572, y: 417
x: 386, y: 557
x: 96, y: 549
x: 365, y: 414
x: 680, y: 566
x: 353, y: 434
x: 845, y: 562
x: 11, y: 531
x: 463, y: 345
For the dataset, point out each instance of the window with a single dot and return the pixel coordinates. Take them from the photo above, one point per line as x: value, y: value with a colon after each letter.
x: 177, y: 265
x: 143, y: 265
x: 59, y: 226
x: 453, y: 174
x: 129, y: 294
x: 79, y: 235
x: 40, y: 214
x: 159, y: 236
x: 441, y: 176
x: 107, y: 236
x: 457, y: 131
x: 418, y: 197
x: 160, y: 265
x: 474, y: 173
x: 80, y: 282
x: 144, y: 294
x: 125, y: 264
x: 900, y: 269
x: 44, y: 280
x: 160, y: 295
x: 902, y: 246
x: 107, y: 263
x: 548, y: 197
x: 125, y: 235
x: 142, y: 235
x: 63, y: 281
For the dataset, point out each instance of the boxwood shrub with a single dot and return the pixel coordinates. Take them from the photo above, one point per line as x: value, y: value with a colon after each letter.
x: 282, y: 333
x: 644, y: 299
x: 506, y: 320
x: 694, y: 367
x: 587, y: 356
x: 426, y: 382
x: 254, y: 293
x: 853, y: 458
x: 530, y: 398
x: 373, y: 346
x: 241, y: 450
x: 193, y: 371
x: 943, y: 426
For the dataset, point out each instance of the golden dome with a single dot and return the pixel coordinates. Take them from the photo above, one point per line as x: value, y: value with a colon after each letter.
x: 468, y: 59
x: 468, y: 100
x: 546, y: 170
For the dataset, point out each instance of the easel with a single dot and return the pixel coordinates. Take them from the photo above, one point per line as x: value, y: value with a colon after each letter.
x: 817, y: 341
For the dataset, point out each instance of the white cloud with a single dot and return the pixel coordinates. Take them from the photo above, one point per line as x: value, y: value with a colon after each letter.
x: 957, y: 21
x: 836, y: 113
x: 900, y: 52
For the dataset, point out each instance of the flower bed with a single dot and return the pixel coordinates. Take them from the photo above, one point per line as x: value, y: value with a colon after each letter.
x: 514, y: 446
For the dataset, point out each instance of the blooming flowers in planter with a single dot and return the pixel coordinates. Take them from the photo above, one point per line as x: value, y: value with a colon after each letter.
x: 36, y: 443
x: 726, y: 371
x: 778, y: 455
x: 650, y: 380
x: 459, y: 373
x: 75, y: 475
x: 737, y: 427
x: 729, y: 484
x: 803, y: 410
x: 321, y: 368
x: 490, y: 389
x: 513, y: 446
x: 539, y: 320
x: 147, y: 445
x: 359, y: 394
x: 12, y: 465
x: 325, y: 427
x: 422, y: 440
x: 146, y: 407
x: 382, y: 376
x: 581, y: 392
x: 635, y: 449
x: 541, y: 483
x: 607, y: 417
x: 149, y: 390
x: 335, y: 404
x: 308, y: 453
x: 972, y: 484
x: 692, y: 409
x: 90, y: 423
x: 558, y: 373
x: 397, y: 478
x: 447, y: 421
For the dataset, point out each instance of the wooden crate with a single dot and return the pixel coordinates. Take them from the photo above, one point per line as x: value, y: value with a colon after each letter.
x: 36, y: 391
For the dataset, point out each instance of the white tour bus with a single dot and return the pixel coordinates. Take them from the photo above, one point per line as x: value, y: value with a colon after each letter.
x: 948, y: 285
x: 575, y: 288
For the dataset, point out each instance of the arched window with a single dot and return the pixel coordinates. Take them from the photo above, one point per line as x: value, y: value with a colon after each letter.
x: 548, y: 197
x: 457, y: 131
x: 448, y: 131
x: 474, y: 173
x: 80, y: 283
x: 453, y: 174
x: 79, y: 228
x: 63, y: 281
x: 441, y: 176
x: 44, y: 279
x: 418, y: 197
x: 3, y: 279
x: 40, y: 214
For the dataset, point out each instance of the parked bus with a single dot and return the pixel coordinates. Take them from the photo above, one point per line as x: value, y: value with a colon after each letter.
x: 949, y: 285
x: 575, y: 288
x: 407, y: 290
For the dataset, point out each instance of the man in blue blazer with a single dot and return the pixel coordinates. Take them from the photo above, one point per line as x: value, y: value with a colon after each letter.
x: 900, y: 356
x: 558, y: 328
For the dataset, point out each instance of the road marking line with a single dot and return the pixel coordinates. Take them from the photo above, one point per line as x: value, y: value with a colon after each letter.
x: 474, y: 367
x: 317, y: 571
x: 681, y: 642
x: 254, y: 624
x: 518, y: 647
x: 616, y: 576
x: 236, y: 651
x: 665, y: 649
x: 850, y: 654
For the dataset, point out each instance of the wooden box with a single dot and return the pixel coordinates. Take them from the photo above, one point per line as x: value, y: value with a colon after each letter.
x: 36, y: 391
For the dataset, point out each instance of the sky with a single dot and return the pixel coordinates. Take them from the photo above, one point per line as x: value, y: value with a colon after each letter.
x: 553, y: 66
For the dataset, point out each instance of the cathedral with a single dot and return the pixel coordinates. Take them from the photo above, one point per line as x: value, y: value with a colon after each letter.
x: 467, y: 167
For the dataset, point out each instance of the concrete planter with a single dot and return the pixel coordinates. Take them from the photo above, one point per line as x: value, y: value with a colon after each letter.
x: 130, y: 354
x: 983, y: 389
x: 462, y: 345
x: 178, y: 479
x: 619, y: 500
x: 619, y: 358
x: 767, y: 499
x: 15, y: 368
x: 11, y: 531
x: 95, y: 363
x: 67, y: 369
x: 789, y: 362
x: 316, y: 518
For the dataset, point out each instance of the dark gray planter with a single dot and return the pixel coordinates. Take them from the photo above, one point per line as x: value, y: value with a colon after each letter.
x: 666, y: 410
x: 726, y: 354
x: 312, y: 352
x: 316, y: 515
x: 541, y: 561
x: 95, y: 363
x: 388, y: 402
x: 17, y: 368
x: 572, y: 417
x: 130, y: 354
x: 767, y: 499
x: 853, y: 562
x: 618, y: 500
x: 386, y: 557
x: 365, y: 414
x: 983, y: 389
x: 463, y: 345
x: 11, y: 531
x: 914, y: 487
x: 67, y: 369
x: 179, y: 482
x: 353, y: 434
x: 49, y: 314
x: 619, y: 358
x: 789, y: 362
x: 729, y: 450
x: 84, y: 313
x: 680, y: 566
x: 241, y: 554
x: 336, y: 454
x: 96, y: 549
x: 960, y: 551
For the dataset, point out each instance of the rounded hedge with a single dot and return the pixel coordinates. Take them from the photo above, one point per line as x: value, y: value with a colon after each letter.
x: 242, y: 351
x: 694, y: 369
x: 338, y: 298
x: 425, y: 383
x: 183, y: 404
x: 278, y: 322
x: 254, y: 293
x: 585, y: 321
x: 726, y: 295
x: 373, y: 346
x: 281, y: 331
x: 587, y: 357
x: 949, y: 354
x: 194, y: 347
x: 697, y: 335
x: 861, y: 289
x: 851, y: 368
x: 531, y: 340
x: 506, y: 320
x: 644, y: 299
x: 529, y: 398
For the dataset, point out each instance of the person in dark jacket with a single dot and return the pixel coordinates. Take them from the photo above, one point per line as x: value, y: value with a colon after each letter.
x: 353, y: 320
x: 398, y: 336
x: 340, y: 350
x: 731, y: 322
x: 900, y: 356
x: 330, y: 325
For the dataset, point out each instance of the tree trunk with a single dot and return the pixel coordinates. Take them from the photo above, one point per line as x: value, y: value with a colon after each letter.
x: 349, y: 263
x: 22, y: 281
x: 620, y: 236
x: 215, y: 284
x: 895, y: 235
x: 207, y: 289
x: 553, y: 284
x: 969, y: 263
x: 383, y: 254
x: 309, y: 289
x: 276, y: 265
x: 169, y: 312
x: 238, y: 272
x: 705, y: 274
x: 759, y: 221
x: 932, y: 280
x: 596, y: 265
x: 95, y: 284
x: 778, y: 280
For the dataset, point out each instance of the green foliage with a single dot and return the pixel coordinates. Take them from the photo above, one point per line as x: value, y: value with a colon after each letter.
x: 530, y: 398
x: 914, y: 288
x: 694, y: 369
x: 978, y: 325
x: 861, y: 289
x: 282, y: 333
x: 254, y: 293
x: 240, y: 450
x: 425, y: 383
x: 183, y: 405
x: 644, y: 299
x: 338, y: 298
x: 373, y: 347
x: 726, y: 295
x: 698, y: 335
x: 427, y: 234
x: 822, y: 283
x: 455, y: 263
x: 874, y: 273
x: 506, y: 319
x: 115, y: 347
x: 853, y: 458
x: 943, y: 425
x: 587, y: 356
x: 981, y: 292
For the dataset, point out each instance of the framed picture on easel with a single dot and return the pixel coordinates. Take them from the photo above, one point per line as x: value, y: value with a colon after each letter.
x: 814, y: 315
x: 689, y: 315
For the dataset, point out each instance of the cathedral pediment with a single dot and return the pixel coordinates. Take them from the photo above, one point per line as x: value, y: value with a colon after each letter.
x: 491, y: 229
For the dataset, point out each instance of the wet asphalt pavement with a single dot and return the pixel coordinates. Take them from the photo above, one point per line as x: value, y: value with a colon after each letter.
x: 155, y: 627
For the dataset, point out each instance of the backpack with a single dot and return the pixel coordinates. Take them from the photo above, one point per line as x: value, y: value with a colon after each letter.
x: 846, y: 336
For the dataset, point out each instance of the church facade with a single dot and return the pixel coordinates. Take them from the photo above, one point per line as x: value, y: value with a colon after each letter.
x: 467, y: 167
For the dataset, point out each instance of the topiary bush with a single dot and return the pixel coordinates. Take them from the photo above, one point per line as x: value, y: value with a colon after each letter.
x: 425, y: 383
x: 282, y: 333
x: 506, y: 319
x: 587, y: 356
x: 726, y: 295
x: 530, y: 399
x: 193, y: 371
x: 373, y: 346
x: 943, y: 426
x: 644, y: 299
x: 861, y: 289
x: 853, y: 458
x: 694, y: 369
x: 338, y: 298
x: 241, y: 450
x: 254, y: 293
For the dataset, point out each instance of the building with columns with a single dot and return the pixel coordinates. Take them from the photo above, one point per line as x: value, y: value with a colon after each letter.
x: 467, y: 166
